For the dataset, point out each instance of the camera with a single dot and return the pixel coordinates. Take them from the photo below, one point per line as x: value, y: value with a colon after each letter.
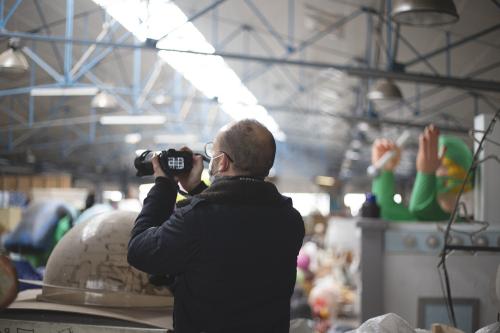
x: 173, y: 162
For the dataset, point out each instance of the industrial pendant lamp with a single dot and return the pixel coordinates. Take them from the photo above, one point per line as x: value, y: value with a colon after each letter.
x: 384, y: 89
x: 12, y: 60
x: 424, y: 13
x: 103, y: 100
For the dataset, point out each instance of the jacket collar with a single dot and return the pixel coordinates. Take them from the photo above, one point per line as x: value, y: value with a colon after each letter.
x: 241, y: 190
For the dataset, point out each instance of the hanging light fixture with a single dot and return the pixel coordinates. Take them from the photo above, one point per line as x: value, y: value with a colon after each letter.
x: 103, y: 100
x: 12, y: 60
x: 424, y: 12
x: 384, y: 89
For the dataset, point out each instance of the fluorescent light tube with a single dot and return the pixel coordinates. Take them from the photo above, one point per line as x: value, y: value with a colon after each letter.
x: 72, y: 91
x: 133, y: 120
x: 209, y: 74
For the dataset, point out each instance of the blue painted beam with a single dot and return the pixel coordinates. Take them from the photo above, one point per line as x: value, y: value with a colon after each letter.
x: 454, y: 44
x: 215, y: 28
x: 229, y: 38
x: 262, y: 18
x: 98, y: 58
x: 25, y: 90
x: 288, y: 75
x: 2, y: 9
x: 47, y: 29
x: 10, y: 13
x: 291, y: 25
x: 417, y: 54
x: 9, y: 111
x: 388, y: 5
x: 197, y: 15
x: 136, y: 84
x: 68, y: 48
x: 308, y: 42
x: 369, y: 40
x: 434, y: 91
x: 31, y: 99
x: 43, y: 65
x: 98, y: 83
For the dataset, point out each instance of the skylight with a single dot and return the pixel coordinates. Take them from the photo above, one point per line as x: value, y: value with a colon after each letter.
x: 209, y: 74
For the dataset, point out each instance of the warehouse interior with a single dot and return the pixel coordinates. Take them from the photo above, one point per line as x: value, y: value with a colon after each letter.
x: 86, y: 86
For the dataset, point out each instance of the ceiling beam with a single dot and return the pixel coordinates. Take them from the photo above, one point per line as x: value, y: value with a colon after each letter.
x: 453, y: 45
x: 456, y: 82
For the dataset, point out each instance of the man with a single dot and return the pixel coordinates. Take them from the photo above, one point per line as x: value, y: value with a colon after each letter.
x: 439, y: 177
x: 233, y: 247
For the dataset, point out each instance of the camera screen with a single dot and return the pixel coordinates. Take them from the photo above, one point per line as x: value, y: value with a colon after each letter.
x: 176, y: 163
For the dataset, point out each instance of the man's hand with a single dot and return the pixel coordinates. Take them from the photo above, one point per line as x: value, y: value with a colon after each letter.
x: 428, y: 160
x: 380, y: 147
x: 193, y: 179
x: 158, y: 171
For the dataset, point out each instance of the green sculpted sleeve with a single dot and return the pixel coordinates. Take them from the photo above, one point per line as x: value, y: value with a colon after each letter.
x: 423, y: 202
x: 383, y: 188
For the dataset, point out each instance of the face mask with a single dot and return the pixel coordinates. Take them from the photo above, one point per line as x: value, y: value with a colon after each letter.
x: 211, y: 172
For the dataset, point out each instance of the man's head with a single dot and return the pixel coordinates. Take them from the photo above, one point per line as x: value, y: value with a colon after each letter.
x: 244, y: 148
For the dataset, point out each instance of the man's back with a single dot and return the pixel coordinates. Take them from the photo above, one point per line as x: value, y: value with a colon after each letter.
x: 238, y: 265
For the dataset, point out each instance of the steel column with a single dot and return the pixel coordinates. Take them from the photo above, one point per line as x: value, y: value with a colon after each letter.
x: 136, y: 85
x: 291, y: 25
x: 31, y: 99
x: 389, y: 35
x: 448, y: 53
x: 68, y: 49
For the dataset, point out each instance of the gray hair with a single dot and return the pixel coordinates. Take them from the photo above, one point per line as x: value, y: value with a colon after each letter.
x: 250, y: 145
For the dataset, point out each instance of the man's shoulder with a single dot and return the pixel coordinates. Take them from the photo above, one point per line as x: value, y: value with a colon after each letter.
x: 188, y: 204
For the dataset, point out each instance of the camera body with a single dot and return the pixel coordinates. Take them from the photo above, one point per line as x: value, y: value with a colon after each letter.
x: 173, y: 162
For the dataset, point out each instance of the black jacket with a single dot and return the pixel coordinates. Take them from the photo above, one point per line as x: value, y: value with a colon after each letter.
x: 233, y: 249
